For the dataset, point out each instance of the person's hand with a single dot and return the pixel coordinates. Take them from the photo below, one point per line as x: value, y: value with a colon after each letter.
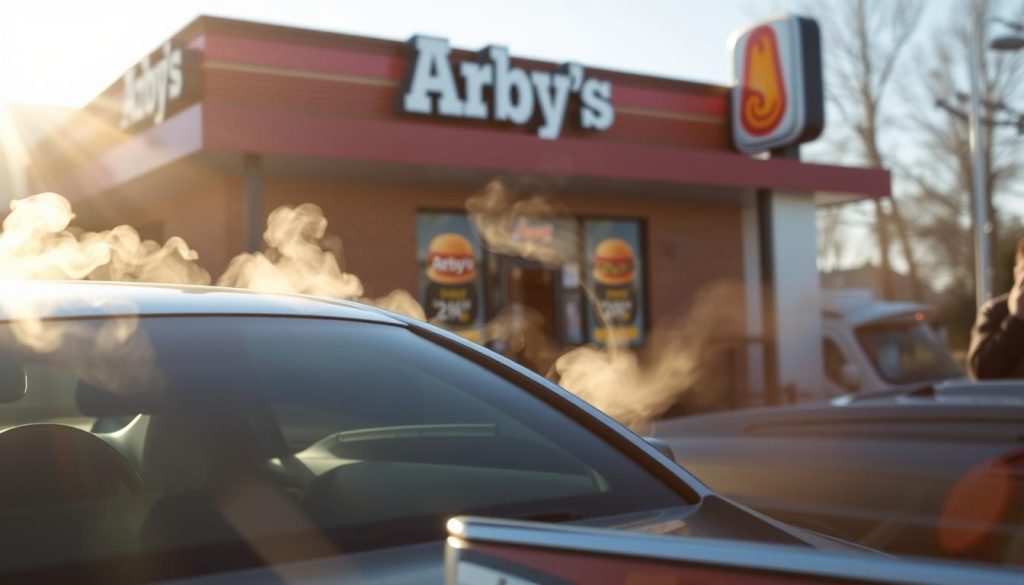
x: 1015, y: 301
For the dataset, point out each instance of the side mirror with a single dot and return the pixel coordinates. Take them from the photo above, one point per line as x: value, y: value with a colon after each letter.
x: 849, y: 376
x: 661, y: 446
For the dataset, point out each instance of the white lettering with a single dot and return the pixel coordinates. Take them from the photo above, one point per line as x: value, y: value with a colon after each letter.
x: 553, y: 97
x: 432, y: 75
x: 616, y: 310
x: 174, y: 83
x: 148, y: 88
x: 515, y: 94
x: 452, y: 265
x: 160, y: 72
x: 597, y: 112
x: 524, y: 232
x: 477, y: 76
x: 452, y: 311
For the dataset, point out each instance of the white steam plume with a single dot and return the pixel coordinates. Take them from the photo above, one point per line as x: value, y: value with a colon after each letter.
x: 635, y: 390
x: 632, y: 388
x: 38, y: 242
x: 502, y: 221
x: 295, y: 261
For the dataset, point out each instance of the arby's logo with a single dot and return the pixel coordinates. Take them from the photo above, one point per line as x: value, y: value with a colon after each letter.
x: 451, y: 260
x: 452, y: 266
x: 491, y: 87
x: 763, y: 93
x: 778, y: 96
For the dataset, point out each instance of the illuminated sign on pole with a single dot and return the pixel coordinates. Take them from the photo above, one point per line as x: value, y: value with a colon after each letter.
x: 777, y: 94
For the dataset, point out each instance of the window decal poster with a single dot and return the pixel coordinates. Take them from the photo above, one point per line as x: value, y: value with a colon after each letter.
x: 614, y: 273
x: 448, y: 255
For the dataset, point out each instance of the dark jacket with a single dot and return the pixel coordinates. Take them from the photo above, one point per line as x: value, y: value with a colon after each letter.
x: 997, y: 342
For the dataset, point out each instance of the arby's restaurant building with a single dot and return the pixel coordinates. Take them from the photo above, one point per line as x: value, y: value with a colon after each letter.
x: 667, y: 183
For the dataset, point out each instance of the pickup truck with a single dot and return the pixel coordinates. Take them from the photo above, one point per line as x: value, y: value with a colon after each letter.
x: 874, y: 345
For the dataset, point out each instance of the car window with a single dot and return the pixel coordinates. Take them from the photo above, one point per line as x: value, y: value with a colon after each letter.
x: 234, y: 432
x: 907, y: 352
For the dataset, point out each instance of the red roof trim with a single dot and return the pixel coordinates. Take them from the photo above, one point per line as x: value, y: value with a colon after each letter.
x: 285, y: 55
x: 277, y: 54
x: 256, y: 129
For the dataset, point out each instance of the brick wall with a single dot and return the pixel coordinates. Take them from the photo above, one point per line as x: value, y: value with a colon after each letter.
x: 688, y: 244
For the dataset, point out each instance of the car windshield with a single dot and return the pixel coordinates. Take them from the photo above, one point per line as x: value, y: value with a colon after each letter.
x: 907, y: 352
x: 268, y: 438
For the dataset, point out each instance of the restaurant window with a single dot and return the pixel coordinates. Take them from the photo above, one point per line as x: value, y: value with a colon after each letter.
x: 589, y: 288
x: 449, y: 256
x: 615, y: 275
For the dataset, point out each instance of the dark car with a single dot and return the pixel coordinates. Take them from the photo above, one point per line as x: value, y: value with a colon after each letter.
x: 934, y: 471
x: 154, y: 432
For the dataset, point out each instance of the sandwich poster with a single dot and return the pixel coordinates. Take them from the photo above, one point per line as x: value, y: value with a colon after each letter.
x: 615, y: 277
x: 449, y: 257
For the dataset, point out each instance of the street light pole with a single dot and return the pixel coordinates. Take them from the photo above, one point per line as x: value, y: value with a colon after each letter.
x: 982, y: 227
x: 982, y: 254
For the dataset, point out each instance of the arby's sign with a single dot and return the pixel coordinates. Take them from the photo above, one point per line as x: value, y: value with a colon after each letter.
x: 162, y: 84
x: 777, y: 94
x: 491, y: 88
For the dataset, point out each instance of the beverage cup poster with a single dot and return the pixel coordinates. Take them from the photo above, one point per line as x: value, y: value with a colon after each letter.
x: 449, y: 258
x: 615, y: 277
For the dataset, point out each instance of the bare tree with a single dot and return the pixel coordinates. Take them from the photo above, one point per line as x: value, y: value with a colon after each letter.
x: 943, y: 169
x: 831, y: 242
x: 865, y: 40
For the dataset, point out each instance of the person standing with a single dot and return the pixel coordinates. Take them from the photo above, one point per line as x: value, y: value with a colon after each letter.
x: 997, y: 339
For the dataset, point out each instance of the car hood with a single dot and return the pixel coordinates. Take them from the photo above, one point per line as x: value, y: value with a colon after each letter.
x: 720, y: 517
x: 419, y: 564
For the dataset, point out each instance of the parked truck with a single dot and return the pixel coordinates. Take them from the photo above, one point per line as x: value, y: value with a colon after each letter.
x: 877, y: 345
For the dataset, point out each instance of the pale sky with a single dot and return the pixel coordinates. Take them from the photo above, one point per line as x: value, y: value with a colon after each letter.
x: 66, y: 52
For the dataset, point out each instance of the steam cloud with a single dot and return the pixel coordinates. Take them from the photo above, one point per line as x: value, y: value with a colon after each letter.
x: 631, y: 388
x: 296, y: 261
x: 636, y: 389
x: 500, y: 220
x: 37, y: 242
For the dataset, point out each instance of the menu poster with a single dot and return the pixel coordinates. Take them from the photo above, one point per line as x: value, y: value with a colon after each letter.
x: 448, y: 254
x: 615, y: 277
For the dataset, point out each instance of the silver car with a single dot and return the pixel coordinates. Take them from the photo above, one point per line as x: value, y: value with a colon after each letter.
x: 154, y: 432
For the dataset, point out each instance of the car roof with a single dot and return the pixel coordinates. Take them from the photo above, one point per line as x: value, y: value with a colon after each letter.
x: 71, y: 299
x: 859, y: 306
x: 894, y: 409
x: 956, y: 391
